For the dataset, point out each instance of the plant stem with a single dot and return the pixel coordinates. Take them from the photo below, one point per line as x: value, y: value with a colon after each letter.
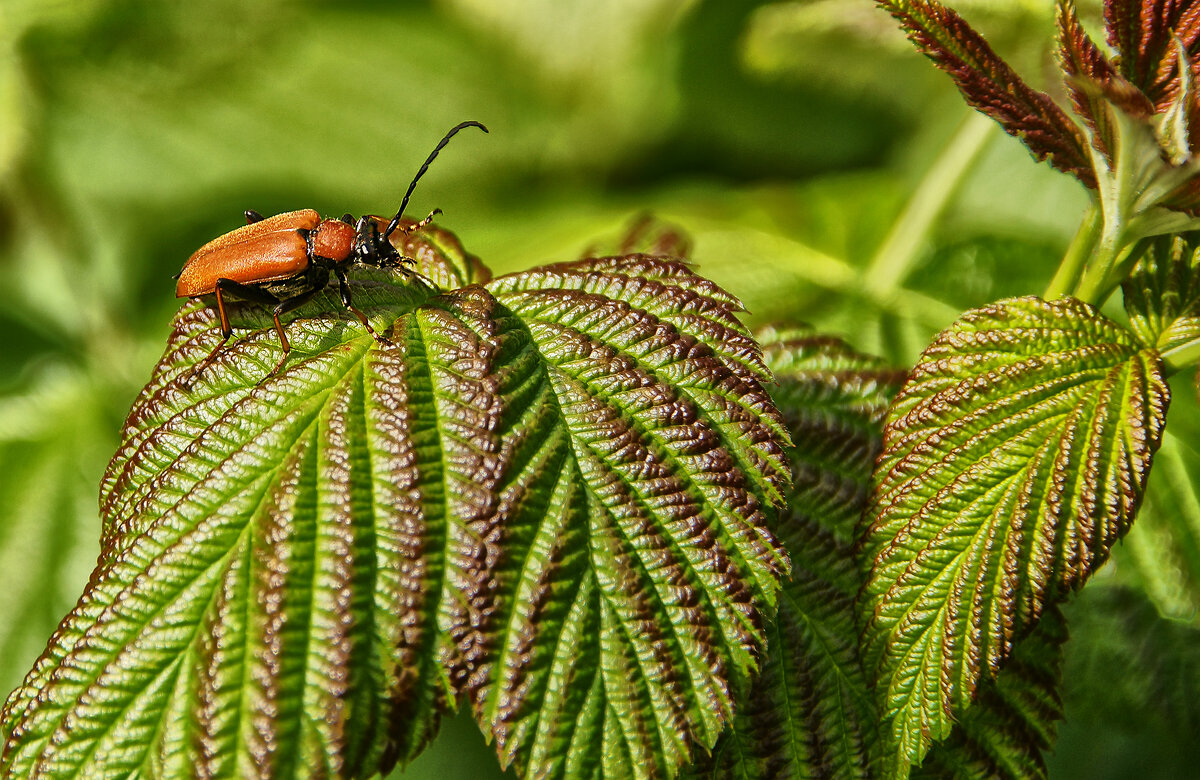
x: 900, y: 249
x: 1095, y: 285
x: 1066, y: 278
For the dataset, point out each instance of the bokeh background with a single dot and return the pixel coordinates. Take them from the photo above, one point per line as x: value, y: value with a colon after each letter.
x: 825, y: 172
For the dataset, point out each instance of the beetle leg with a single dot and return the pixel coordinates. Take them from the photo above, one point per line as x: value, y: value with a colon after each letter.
x: 229, y: 287
x: 223, y: 288
x: 252, y: 216
x: 344, y: 290
x: 226, y: 332
x: 284, y: 306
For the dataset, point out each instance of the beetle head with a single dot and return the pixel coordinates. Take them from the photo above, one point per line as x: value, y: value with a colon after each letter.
x: 372, y: 247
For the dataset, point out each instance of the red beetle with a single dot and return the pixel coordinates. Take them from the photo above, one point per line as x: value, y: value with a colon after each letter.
x: 285, y: 260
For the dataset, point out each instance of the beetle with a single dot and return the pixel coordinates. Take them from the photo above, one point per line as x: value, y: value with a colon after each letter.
x: 285, y: 260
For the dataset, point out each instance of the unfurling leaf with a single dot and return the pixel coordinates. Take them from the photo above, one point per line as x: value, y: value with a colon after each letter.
x: 548, y: 495
x: 1014, y: 457
x: 991, y: 86
x: 1145, y: 33
x: 1139, y: 110
x: 1095, y: 83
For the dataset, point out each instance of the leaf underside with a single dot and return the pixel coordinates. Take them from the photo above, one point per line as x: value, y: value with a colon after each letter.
x: 548, y: 494
x: 1013, y: 459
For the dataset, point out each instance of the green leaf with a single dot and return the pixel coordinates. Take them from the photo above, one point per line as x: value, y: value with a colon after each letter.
x: 662, y: 450
x: 1162, y: 296
x: 809, y: 713
x: 1015, y: 716
x: 1014, y: 457
x: 549, y: 495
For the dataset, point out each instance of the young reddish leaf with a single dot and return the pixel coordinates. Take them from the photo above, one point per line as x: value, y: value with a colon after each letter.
x: 991, y: 86
x: 1143, y: 33
x: 1094, y: 83
x: 1014, y: 457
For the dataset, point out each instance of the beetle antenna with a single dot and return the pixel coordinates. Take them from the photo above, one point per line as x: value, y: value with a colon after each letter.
x: 395, y: 223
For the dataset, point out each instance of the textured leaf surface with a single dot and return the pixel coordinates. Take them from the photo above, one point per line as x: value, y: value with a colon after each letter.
x: 1014, y: 718
x: 651, y: 548
x: 991, y: 86
x: 809, y: 713
x: 549, y: 495
x: 1162, y: 296
x: 1014, y: 457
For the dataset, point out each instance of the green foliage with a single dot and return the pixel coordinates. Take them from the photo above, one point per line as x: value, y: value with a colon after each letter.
x: 794, y: 174
x: 811, y: 712
x: 545, y: 495
x: 1162, y: 296
x: 1014, y: 457
x: 1015, y: 716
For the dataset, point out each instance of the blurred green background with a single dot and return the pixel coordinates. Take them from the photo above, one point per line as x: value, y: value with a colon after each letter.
x: 825, y: 172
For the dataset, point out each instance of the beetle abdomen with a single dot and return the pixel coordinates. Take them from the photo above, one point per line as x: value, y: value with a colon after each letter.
x: 260, y: 252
